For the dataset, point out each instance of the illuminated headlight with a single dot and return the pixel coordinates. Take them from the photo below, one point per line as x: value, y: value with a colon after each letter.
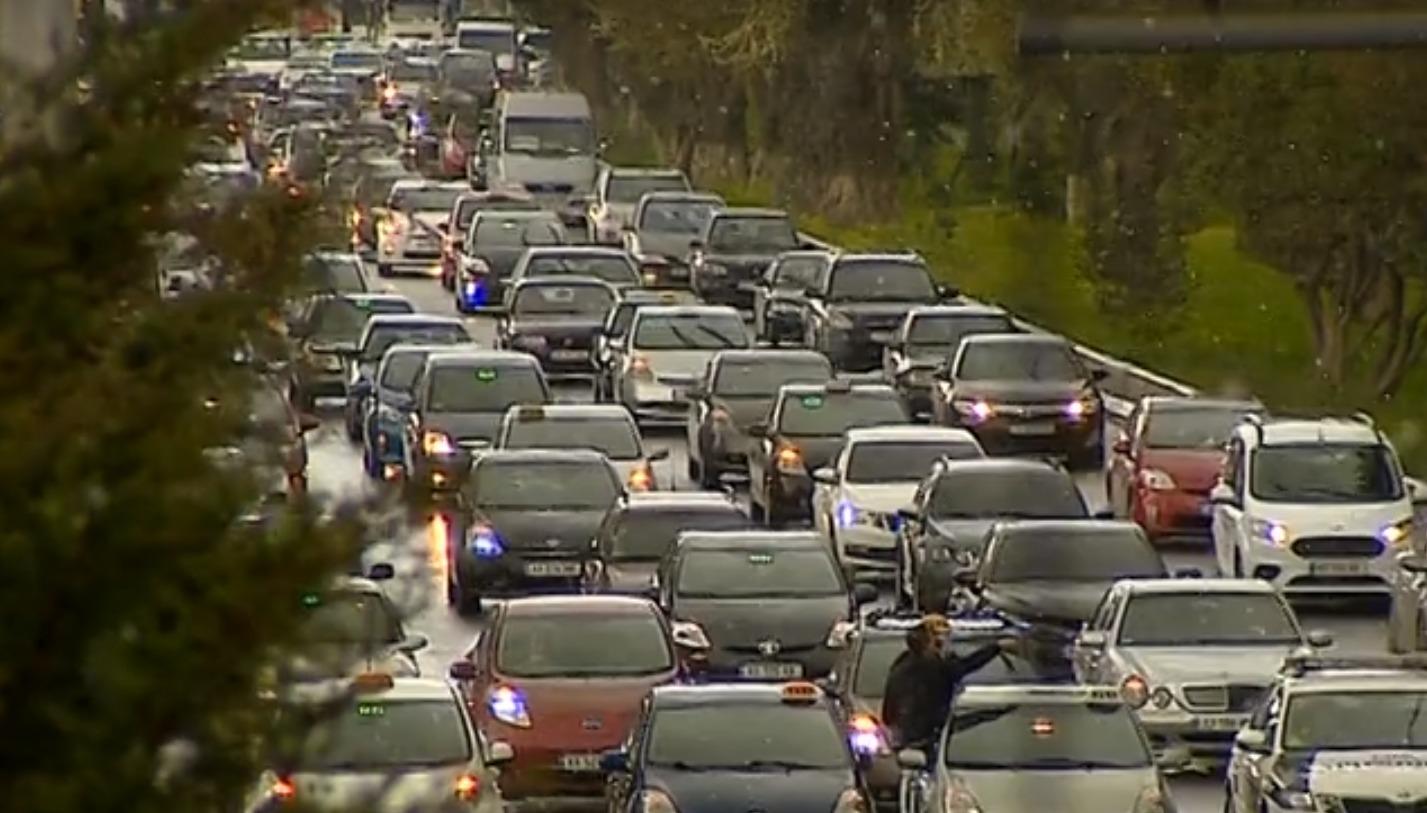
x: 507, y: 704
x: 846, y: 514
x: 1081, y: 407
x: 974, y: 409
x: 1399, y: 534
x: 1271, y: 533
x: 486, y: 543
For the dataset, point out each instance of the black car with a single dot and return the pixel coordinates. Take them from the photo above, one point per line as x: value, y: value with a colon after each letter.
x: 641, y: 529
x: 764, y: 602
x: 460, y: 399
x: 861, y: 301
x: 779, y: 292
x: 735, y: 247
x: 1052, y: 573
x: 945, y: 529
x: 494, y: 242
x: 556, y: 320
x: 381, y: 332
x: 926, y: 342
x: 802, y: 434
x: 527, y: 520
x: 737, y: 391
x: 326, y: 332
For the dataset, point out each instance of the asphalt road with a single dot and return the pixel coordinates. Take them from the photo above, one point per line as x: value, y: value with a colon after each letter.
x: 417, y: 549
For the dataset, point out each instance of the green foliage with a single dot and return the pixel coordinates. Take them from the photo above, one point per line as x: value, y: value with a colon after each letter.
x: 136, y: 610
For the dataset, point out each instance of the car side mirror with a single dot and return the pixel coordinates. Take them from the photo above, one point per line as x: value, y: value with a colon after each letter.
x: 1091, y: 639
x: 381, y: 571
x: 307, y: 423
x: 614, y: 761
x: 864, y: 593
x: 414, y: 642
x: 659, y: 454
x: 758, y: 430
x: 825, y: 475
x: 501, y: 752
x: 1222, y: 494
x: 966, y: 577
x: 1098, y: 376
x: 1319, y: 639
x: 1251, y: 739
x: 463, y: 670
x: 912, y: 759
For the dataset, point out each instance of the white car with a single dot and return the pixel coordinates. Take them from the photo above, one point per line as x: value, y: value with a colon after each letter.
x: 605, y: 428
x: 665, y: 353
x: 409, y: 232
x: 1312, y: 506
x: 856, y: 500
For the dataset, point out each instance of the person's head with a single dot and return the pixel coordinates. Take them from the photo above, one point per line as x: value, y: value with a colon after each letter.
x: 929, y: 637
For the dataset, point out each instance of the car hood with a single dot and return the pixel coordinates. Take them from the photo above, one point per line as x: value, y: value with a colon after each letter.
x: 1068, y: 791
x: 1191, y: 469
x: 630, y: 578
x: 1399, y: 775
x: 794, y: 622
x: 886, y: 498
x: 684, y: 365
x: 1206, y: 664
x: 745, y: 410
x: 576, y: 171
x: 552, y: 531
x: 465, y: 426
x: 1053, y: 601
x: 378, y: 791
x: 1015, y: 392
x: 722, y: 791
x: 665, y: 244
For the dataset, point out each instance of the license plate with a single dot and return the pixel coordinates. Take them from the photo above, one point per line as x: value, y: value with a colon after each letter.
x: 579, y: 763
x: 881, y: 336
x: 771, y: 671
x: 1337, y: 568
x: 1232, y: 722
x: 1033, y: 429
x: 569, y: 355
x: 552, y: 569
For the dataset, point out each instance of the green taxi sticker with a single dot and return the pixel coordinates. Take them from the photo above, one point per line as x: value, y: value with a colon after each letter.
x: 486, y: 374
x: 311, y: 599
x: 812, y: 401
x: 370, y: 710
x: 760, y: 558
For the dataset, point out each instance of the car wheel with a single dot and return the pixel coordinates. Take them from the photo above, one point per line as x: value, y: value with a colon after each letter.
x: 354, y: 430
x: 755, y: 511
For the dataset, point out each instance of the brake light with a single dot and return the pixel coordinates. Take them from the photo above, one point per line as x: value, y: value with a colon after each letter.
x: 283, y: 790
x: 467, y: 787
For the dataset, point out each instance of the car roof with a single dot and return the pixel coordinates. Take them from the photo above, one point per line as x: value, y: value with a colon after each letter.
x: 677, y: 195
x: 647, y: 172
x: 910, y: 257
x: 416, y: 348
x: 459, y: 356
x: 1000, y: 465
x: 750, y: 539
x: 808, y: 388
x: 688, y: 310
x: 1358, y: 680
x: 413, y: 319
x: 515, y: 456
x: 686, y: 696
x: 408, y: 184
x: 556, y: 412
x: 403, y: 689
x: 957, y: 310
x: 1069, y: 694
x: 648, y: 297
x: 561, y: 281
x: 907, y: 432
x: 546, y: 104
x: 578, y: 251
x: 761, y: 354
x: 367, y: 296
x: 1164, y: 587
x: 515, y: 214
x: 751, y: 212
x: 527, y: 606
x: 486, y: 24
x: 1040, y: 527
x: 678, y: 500
x: 1294, y: 431
x: 1015, y: 338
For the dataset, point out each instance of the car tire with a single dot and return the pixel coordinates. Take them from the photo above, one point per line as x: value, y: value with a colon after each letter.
x: 695, y: 471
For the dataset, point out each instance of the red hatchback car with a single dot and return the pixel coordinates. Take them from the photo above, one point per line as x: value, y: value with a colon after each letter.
x: 1166, y: 460
x: 562, y: 678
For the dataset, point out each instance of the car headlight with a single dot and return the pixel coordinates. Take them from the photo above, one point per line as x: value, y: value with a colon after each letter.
x: 1153, y: 800
x: 486, y: 543
x: 976, y: 409
x: 656, y: 801
x: 1157, y: 480
x: 1399, y: 534
x: 846, y: 514
x: 957, y: 798
x: 838, y: 320
x: 1288, y: 799
x: 507, y: 704
x: 1270, y: 532
x: 1081, y: 407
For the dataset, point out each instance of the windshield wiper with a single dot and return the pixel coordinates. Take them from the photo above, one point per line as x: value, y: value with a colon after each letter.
x: 718, y: 337
x: 774, y: 764
x: 681, y: 765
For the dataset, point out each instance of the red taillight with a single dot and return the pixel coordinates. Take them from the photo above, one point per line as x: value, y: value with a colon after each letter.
x: 283, y: 790
x: 467, y: 787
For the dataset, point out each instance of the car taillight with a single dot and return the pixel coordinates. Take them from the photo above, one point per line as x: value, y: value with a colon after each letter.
x: 467, y: 787
x: 283, y: 790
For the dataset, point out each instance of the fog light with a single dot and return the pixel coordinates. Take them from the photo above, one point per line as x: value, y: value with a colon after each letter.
x: 391, y: 472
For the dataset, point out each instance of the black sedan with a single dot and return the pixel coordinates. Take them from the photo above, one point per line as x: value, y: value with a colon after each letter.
x: 556, y: 320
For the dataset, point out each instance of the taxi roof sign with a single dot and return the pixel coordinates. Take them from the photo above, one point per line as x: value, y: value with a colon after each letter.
x: 801, y: 692
x: 1303, y: 661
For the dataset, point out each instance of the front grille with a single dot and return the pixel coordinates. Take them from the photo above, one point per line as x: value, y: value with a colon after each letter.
x: 1343, y: 546
x: 1234, y: 698
x: 1359, y: 805
x: 1055, y: 410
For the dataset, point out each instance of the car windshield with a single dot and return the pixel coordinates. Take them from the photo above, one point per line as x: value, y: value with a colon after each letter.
x: 491, y: 40
x: 881, y: 281
x: 645, y: 536
x: 381, y: 337
x: 484, y: 388
x: 754, y: 737
x: 375, y: 734
x: 1019, y: 493
x: 545, y: 485
x: 615, y: 269
x: 348, y: 617
x: 690, y: 331
x: 678, y: 217
x: 833, y: 413
x: 1045, y: 736
x: 399, y: 371
x: 1325, y: 472
x: 946, y: 332
x: 1195, y: 428
x: 468, y: 70
x: 509, y: 232
x: 562, y: 300
x: 553, y: 136
x: 1018, y: 361
x: 1073, y: 555
x: 762, y: 573
x: 903, y: 461
x: 340, y: 320
x: 341, y: 275
x: 1207, y: 619
x: 583, y: 645
x: 630, y: 188
x: 752, y: 235
x: 615, y: 437
x: 761, y: 378
x: 1360, y: 720
x: 357, y: 59
x: 412, y: 72
x: 424, y: 200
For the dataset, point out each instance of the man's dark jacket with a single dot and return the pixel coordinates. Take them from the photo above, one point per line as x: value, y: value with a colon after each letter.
x: 920, y: 689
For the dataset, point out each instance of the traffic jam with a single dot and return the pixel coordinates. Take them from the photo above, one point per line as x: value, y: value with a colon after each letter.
x: 873, y: 581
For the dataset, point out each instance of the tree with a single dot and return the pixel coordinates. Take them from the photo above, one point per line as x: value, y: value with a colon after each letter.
x: 137, y: 609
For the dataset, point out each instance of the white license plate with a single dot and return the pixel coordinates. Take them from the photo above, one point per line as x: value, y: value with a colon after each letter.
x: 1337, y: 568
x: 1040, y: 429
x: 552, y: 569
x: 569, y: 355
x: 771, y: 671
x: 1230, y: 722
x: 579, y: 763
x: 881, y: 336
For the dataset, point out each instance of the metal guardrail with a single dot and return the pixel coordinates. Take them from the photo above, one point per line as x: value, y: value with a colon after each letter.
x: 1125, y: 383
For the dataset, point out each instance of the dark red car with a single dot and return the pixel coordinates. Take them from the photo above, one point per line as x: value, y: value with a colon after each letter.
x: 1166, y: 460
x: 562, y: 678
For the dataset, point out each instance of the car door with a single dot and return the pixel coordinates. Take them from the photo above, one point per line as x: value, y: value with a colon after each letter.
x: 1120, y: 474
x: 760, y: 452
x: 1092, y: 665
x: 1227, y: 523
x: 1245, y: 773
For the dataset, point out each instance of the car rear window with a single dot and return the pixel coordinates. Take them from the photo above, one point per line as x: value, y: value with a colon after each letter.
x: 761, y: 378
x: 903, y: 461
x: 752, y: 737
x: 758, y: 574
x: 488, y: 388
x: 833, y: 413
x: 583, y: 646
x: 615, y: 437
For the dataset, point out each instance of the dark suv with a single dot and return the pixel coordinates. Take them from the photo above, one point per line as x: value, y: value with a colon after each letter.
x: 857, y: 306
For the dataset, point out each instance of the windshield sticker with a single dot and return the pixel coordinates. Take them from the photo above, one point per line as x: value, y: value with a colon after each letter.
x: 760, y: 558
x: 486, y: 374
x: 812, y: 401
x: 370, y: 710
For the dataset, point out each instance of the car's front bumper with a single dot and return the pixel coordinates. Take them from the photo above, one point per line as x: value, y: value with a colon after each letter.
x: 510, y: 574
x: 1330, y: 576
x: 1167, y: 515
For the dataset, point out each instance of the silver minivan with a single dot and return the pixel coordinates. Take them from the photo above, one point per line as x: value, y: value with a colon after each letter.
x: 544, y: 143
